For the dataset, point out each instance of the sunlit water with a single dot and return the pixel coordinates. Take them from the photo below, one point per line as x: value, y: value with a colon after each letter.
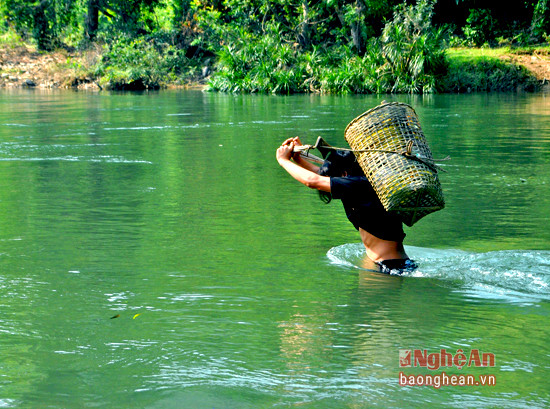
x: 153, y: 254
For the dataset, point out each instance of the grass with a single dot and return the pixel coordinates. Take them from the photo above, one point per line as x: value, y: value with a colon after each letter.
x: 530, y: 50
x: 485, y: 70
x: 12, y: 40
x: 464, y: 54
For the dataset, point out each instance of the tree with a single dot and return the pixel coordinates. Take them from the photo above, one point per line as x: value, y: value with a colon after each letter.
x: 362, y: 19
x: 92, y: 19
x: 126, y: 15
x: 303, y: 35
x: 44, y: 25
x: 357, y: 25
x: 43, y: 20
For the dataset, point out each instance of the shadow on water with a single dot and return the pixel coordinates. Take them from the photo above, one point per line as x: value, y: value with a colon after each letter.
x: 516, y: 276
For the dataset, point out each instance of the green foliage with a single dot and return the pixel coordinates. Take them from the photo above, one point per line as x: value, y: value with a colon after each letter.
x: 131, y: 16
x: 48, y: 22
x: 413, y: 50
x: 11, y: 39
x: 409, y: 57
x: 305, y: 23
x: 279, y: 46
x: 485, y: 74
x: 480, y: 27
x: 258, y: 64
x: 141, y: 63
x: 17, y: 14
x: 540, y: 22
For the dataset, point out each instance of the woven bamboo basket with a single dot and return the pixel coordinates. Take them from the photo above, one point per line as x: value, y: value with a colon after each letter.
x: 394, y: 154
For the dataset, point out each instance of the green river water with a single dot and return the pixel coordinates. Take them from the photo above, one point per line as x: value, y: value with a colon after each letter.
x: 171, y: 205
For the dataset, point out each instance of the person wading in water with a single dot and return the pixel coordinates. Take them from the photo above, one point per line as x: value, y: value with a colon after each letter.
x: 341, y: 177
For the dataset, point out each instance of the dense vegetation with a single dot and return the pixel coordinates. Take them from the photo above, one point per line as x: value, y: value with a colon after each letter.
x: 284, y: 46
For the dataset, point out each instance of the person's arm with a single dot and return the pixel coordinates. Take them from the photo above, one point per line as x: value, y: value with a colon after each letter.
x: 301, y: 174
x: 304, y: 163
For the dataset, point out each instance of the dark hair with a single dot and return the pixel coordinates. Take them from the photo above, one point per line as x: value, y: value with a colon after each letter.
x: 339, y: 163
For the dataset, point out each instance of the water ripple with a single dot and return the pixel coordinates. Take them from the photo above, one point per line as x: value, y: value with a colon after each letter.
x: 512, y: 275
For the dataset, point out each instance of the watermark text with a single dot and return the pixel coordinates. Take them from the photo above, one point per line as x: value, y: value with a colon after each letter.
x: 409, y: 358
x: 443, y: 379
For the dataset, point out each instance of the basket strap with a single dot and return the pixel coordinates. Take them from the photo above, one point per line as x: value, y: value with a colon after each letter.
x: 304, y: 150
x: 407, y: 154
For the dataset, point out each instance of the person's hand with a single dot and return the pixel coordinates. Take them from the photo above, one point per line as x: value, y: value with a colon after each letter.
x: 297, y: 142
x: 285, y: 151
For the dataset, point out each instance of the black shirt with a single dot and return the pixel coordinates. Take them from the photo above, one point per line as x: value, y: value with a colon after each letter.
x: 364, y: 209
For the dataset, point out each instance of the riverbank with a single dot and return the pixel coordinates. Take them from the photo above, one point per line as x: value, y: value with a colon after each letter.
x: 535, y: 60
x: 22, y: 65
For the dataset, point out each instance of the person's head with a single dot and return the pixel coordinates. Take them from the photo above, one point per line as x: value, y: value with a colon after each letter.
x: 337, y: 164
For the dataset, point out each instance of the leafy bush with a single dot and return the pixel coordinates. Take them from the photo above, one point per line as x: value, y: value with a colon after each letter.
x: 258, y: 64
x: 142, y: 63
x: 413, y: 50
x: 485, y: 75
x: 408, y: 58
x: 540, y: 22
x: 480, y: 27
